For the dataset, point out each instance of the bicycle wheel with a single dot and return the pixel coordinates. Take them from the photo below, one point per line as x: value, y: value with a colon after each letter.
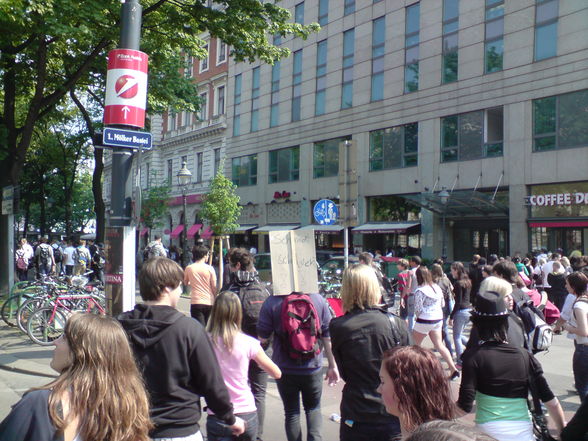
x: 46, y: 325
x: 26, y: 310
x: 9, y: 309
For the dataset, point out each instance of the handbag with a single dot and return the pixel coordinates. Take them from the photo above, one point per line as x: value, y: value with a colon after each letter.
x: 540, y: 430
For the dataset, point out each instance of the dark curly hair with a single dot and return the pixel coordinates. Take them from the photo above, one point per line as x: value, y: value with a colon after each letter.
x: 420, y: 384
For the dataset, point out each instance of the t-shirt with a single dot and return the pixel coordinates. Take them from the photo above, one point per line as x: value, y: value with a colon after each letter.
x: 235, y: 367
x: 428, y: 302
x: 202, y: 281
x: 68, y: 256
x: 580, y: 307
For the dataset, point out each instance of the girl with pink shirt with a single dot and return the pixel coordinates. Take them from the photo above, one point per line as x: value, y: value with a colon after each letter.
x: 234, y: 350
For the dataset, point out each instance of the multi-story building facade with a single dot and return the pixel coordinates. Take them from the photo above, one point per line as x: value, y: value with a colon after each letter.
x: 198, y: 140
x: 476, y: 111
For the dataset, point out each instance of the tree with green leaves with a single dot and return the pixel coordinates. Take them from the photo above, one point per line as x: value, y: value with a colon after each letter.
x: 220, y: 207
x: 154, y: 206
x: 50, y: 50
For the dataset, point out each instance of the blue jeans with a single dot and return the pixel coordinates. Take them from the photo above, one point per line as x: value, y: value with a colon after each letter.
x: 445, y: 330
x: 217, y: 430
x: 580, y: 365
x: 370, y: 431
x: 460, y: 320
x: 291, y: 387
x: 410, y: 312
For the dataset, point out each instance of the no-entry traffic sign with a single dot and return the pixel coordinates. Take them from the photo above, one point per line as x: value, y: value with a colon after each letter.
x: 126, y: 88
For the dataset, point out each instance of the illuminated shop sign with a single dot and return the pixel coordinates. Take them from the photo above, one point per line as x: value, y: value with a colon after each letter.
x: 543, y: 200
x: 565, y: 199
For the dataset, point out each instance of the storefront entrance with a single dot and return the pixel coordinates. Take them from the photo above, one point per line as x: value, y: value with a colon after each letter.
x: 470, y: 240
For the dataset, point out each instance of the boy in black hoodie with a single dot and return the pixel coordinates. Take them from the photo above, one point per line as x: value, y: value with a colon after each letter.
x: 176, y: 357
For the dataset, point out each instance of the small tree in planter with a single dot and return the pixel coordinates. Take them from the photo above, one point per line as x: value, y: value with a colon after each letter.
x: 221, y: 210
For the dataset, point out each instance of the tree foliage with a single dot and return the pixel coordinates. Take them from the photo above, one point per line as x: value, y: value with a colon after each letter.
x: 154, y: 206
x: 220, y: 207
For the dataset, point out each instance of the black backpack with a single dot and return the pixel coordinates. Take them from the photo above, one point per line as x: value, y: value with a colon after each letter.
x: 57, y: 255
x: 44, y: 254
x: 252, y: 297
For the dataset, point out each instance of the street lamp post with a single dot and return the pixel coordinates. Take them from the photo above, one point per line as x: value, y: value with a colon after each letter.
x: 184, y: 177
x: 444, y: 196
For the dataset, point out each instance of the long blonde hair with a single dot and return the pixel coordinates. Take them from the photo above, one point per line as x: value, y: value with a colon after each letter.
x: 105, y: 388
x: 360, y: 287
x: 225, y: 319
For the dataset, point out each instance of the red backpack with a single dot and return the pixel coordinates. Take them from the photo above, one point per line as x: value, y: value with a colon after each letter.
x: 301, y: 326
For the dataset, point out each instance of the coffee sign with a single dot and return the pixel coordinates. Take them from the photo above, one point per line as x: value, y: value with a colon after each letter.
x: 544, y: 200
x: 565, y: 199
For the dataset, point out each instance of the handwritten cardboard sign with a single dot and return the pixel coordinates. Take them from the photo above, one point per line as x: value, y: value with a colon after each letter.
x: 294, y: 266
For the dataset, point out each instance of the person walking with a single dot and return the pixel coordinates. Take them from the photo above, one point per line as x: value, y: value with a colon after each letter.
x: 359, y: 339
x: 175, y: 356
x: 21, y: 261
x: 410, y: 289
x: 557, y: 281
x: 44, y: 258
x: 155, y: 248
x: 301, y: 373
x: 577, y: 327
x: 444, y: 283
x: 235, y: 351
x: 201, y: 278
x: 68, y: 258
x: 98, y: 395
x: 460, y: 314
x: 428, y: 310
x: 82, y: 258
x: 497, y: 374
x: 252, y: 292
x: 414, y: 387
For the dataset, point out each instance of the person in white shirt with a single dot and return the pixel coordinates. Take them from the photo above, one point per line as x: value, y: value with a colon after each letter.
x: 548, y: 268
x: 68, y: 258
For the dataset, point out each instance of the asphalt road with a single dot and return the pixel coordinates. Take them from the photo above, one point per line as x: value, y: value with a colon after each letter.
x: 557, y: 364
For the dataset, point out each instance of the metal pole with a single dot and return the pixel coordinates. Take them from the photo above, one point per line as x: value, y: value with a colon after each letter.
x: 184, y: 237
x: 444, y: 241
x: 346, y: 230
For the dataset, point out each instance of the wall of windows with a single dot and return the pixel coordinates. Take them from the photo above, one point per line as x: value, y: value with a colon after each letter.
x: 323, y: 12
x: 560, y: 122
x: 237, y: 106
x: 244, y: 170
x: 472, y: 135
x: 378, y: 51
x: 299, y: 13
x: 296, y: 85
x: 275, y: 96
x: 348, y: 7
x: 546, y: 15
x: 325, y: 158
x: 255, y: 99
x: 347, y: 80
x: 394, y: 147
x: 494, y: 36
x: 411, y: 44
x: 321, y: 78
x: 450, y: 41
x: 284, y: 165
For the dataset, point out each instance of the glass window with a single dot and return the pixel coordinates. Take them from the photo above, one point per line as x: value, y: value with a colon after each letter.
x: 348, y: 61
x: 296, y: 85
x: 222, y: 52
x: 348, y: 7
x: 546, y: 16
x: 323, y: 12
x: 170, y: 166
x: 204, y: 61
x: 411, y: 43
x: 188, y: 70
x: 394, y: 147
x: 237, y: 106
x: 203, y: 113
x: 275, y: 97
x: 378, y: 51
x: 493, y: 40
x: 450, y: 61
x: 255, y: 99
x: 199, y: 166
x: 573, y: 119
x: 321, y: 77
x: 244, y: 170
x: 326, y: 158
x: 284, y: 165
x: 299, y: 13
x: 493, y: 56
x: 217, y: 158
x: 220, y: 100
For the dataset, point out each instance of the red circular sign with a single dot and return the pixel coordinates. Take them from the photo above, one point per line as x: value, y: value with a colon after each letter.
x: 126, y: 86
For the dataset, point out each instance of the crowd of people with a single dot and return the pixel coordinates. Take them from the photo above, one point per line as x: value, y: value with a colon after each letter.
x: 240, y: 334
x: 61, y: 258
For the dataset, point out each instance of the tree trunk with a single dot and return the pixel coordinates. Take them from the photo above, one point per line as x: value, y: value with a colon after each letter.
x: 99, y: 208
x: 26, y: 219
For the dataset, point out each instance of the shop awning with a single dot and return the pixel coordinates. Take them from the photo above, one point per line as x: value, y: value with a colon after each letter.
x: 275, y: 227
x: 555, y: 224
x: 193, y: 230
x: 462, y: 203
x: 207, y: 233
x: 386, y: 228
x: 242, y: 229
x: 176, y: 231
x: 325, y: 229
x: 144, y: 232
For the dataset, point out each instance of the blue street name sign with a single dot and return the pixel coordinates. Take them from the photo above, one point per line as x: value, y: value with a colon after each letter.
x: 126, y: 138
x: 325, y: 212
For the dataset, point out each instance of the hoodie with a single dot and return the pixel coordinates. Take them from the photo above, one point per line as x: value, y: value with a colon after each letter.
x: 428, y: 303
x: 179, y: 366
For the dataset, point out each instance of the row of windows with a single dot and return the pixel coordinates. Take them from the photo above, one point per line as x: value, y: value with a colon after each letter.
x: 558, y: 122
x: 197, y: 172
x: 203, y: 64
x: 183, y: 119
x: 546, y: 17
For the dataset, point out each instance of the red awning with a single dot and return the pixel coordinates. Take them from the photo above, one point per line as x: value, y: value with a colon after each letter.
x: 207, y: 233
x: 555, y: 224
x: 177, y: 231
x: 193, y: 230
x: 144, y: 232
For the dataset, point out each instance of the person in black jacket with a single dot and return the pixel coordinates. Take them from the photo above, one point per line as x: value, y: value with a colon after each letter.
x: 176, y: 357
x: 359, y: 338
x: 252, y: 292
x: 577, y: 428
